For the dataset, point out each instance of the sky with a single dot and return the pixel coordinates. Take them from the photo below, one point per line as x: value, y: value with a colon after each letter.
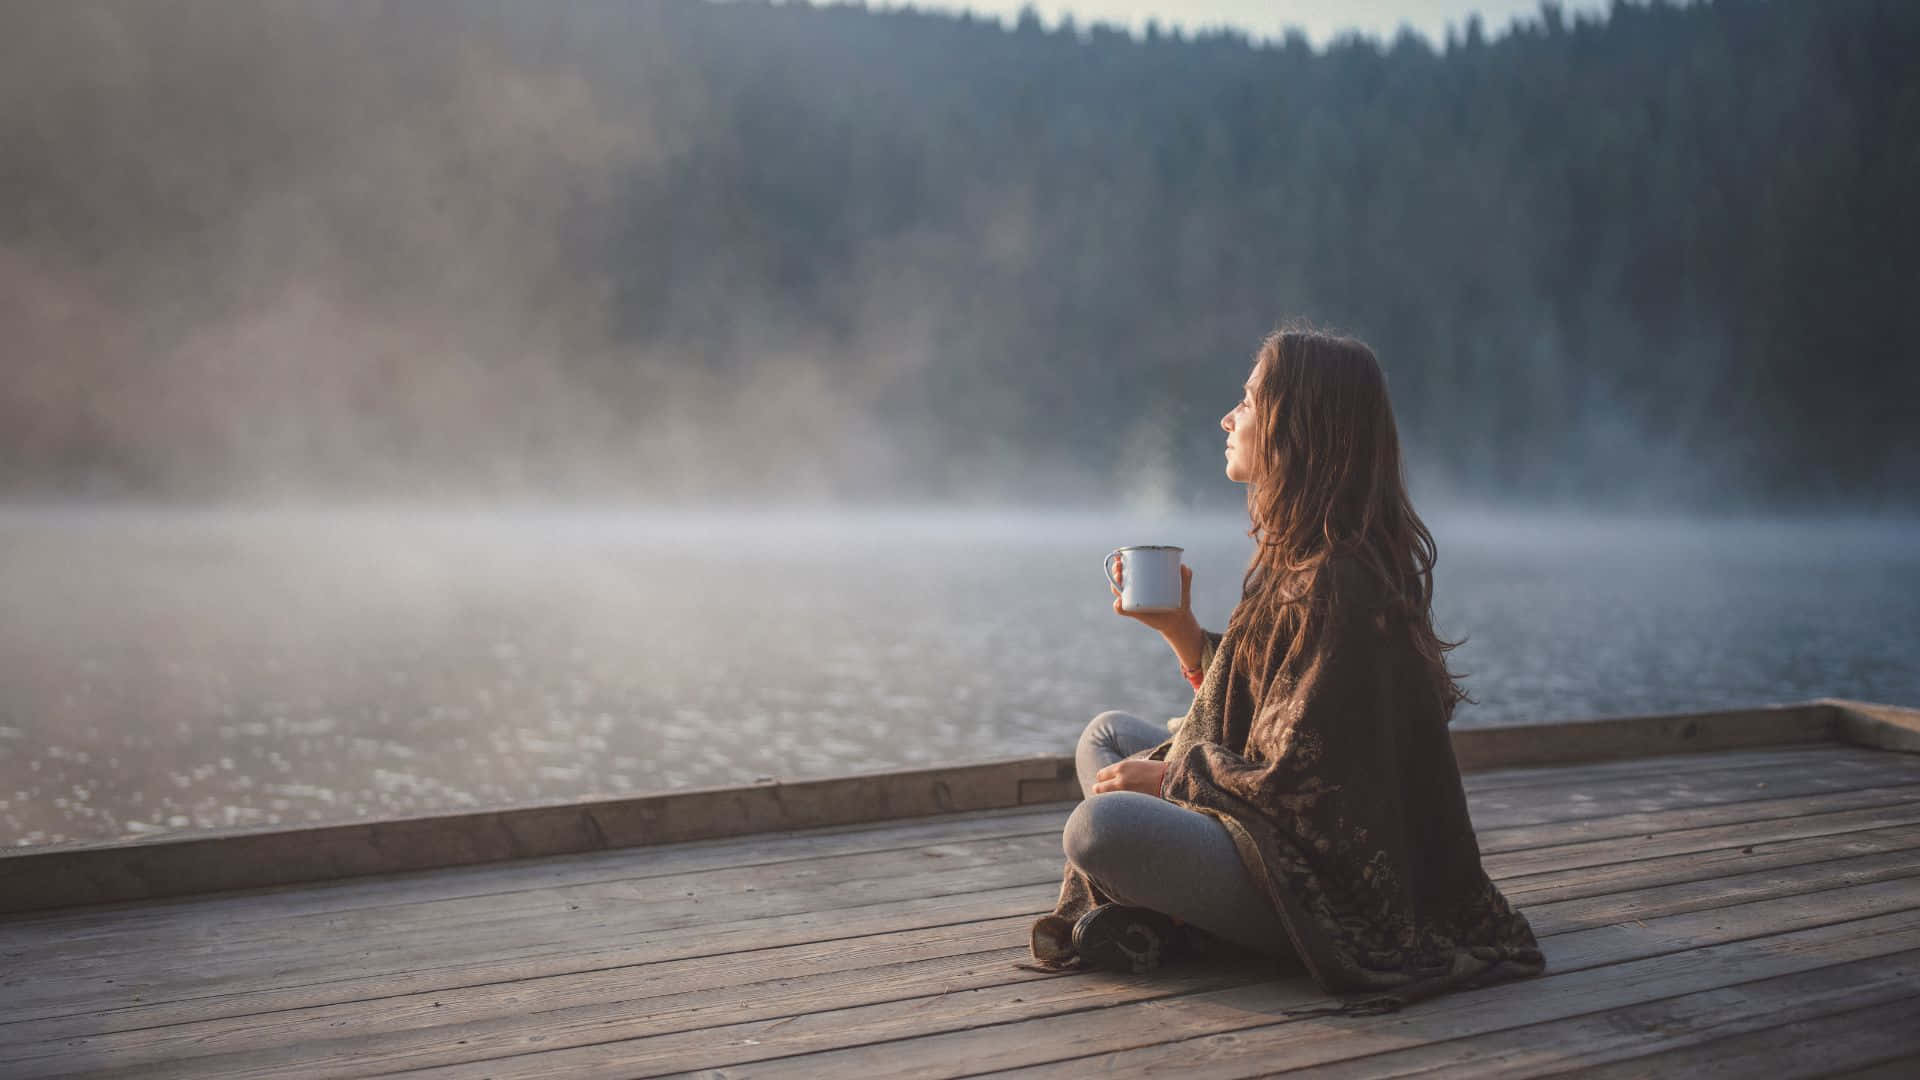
x: 1319, y: 19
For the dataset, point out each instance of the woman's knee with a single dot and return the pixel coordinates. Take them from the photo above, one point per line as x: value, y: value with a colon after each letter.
x: 1100, y: 730
x: 1096, y: 837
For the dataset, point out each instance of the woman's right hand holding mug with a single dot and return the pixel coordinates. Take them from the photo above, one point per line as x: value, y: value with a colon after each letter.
x: 1159, y: 620
x: 1180, y: 628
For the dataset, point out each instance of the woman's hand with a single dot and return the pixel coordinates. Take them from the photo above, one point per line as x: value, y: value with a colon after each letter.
x: 1180, y: 628
x: 1131, y: 774
x: 1163, y: 621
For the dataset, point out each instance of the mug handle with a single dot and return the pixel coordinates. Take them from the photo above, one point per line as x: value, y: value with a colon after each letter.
x: 1108, y: 566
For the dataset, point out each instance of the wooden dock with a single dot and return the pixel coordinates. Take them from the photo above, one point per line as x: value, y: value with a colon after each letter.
x: 1730, y: 894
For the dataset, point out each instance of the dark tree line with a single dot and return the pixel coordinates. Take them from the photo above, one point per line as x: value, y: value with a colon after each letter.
x: 1672, y: 252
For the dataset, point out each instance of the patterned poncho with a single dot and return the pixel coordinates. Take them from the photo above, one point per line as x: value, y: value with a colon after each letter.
x: 1337, y: 782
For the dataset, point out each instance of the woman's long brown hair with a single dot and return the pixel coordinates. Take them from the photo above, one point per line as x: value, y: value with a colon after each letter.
x: 1327, y: 482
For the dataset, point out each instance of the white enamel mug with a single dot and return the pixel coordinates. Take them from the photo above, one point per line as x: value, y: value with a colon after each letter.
x: 1151, y: 576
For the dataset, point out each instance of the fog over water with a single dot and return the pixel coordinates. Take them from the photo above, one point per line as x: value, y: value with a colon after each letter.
x: 165, y: 670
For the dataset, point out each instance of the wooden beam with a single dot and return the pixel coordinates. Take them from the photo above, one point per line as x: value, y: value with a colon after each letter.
x: 1641, y: 736
x: 66, y: 875
x: 1884, y: 727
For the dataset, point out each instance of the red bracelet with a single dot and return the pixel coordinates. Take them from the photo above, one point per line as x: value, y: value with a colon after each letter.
x: 1194, y: 675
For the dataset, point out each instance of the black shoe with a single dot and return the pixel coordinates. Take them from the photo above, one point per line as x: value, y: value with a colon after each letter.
x: 1122, y: 938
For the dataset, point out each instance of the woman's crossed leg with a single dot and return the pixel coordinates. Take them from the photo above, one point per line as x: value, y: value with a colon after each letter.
x: 1148, y: 852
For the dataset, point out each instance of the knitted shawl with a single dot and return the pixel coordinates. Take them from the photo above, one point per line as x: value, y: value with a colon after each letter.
x: 1337, y: 782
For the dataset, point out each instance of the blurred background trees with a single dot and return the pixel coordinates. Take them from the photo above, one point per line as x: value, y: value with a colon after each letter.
x: 682, y: 250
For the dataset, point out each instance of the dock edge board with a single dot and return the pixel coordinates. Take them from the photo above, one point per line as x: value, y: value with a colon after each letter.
x: 71, y: 875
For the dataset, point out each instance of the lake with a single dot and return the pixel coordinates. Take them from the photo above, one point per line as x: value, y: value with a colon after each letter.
x: 173, y: 670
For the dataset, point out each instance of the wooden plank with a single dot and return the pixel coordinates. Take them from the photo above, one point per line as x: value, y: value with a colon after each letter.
x: 1817, y: 755
x: 315, y: 952
x: 1552, y: 858
x: 1650, y: 824
x: 389, y: 971
x: 1680, y: 932
x: 451, y: 956
x: 358, y: 1055
x: 495, y: 1019
x: 1702, y: 865
x: 1904, y: 1067
x: 68, y: 875
x: 492, y: 1011
x: 1812, y: 1047
x: 748, y: 973
x: 1607, y: 908
x: 521, y: 875
x: 1004, y: 1027
x: 674, y: 901
x: 1570, y: 802
x: 1633, y: 1031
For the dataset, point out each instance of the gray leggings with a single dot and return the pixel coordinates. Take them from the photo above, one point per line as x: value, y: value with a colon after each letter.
x: 1148, y: 852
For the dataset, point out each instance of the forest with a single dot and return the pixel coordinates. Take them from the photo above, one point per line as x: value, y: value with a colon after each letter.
x: 685, y: 251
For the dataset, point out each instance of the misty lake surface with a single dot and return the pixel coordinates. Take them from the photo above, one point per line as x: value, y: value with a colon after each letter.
x: 172, y: 670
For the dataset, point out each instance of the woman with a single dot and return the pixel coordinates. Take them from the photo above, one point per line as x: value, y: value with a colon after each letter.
x: 1308, y: 806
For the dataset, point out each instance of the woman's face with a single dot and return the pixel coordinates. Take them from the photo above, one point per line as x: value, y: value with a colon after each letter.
x: 1239, y: 422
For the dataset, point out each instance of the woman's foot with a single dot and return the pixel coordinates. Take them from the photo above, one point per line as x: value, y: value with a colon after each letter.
x: 1122, y: 938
